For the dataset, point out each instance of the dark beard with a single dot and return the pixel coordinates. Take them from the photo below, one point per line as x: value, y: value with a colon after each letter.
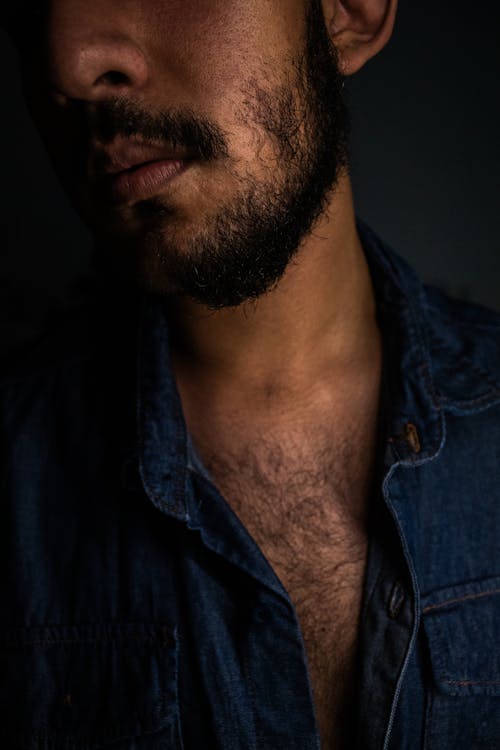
x: 246, y: 249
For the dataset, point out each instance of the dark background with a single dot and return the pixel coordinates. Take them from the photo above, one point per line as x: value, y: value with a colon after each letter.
x: 425, y: 168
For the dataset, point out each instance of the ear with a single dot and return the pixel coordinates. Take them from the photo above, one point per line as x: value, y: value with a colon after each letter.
x: 358, y: 29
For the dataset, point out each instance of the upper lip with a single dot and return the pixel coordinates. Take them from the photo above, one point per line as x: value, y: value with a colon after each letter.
x: 122, y: 155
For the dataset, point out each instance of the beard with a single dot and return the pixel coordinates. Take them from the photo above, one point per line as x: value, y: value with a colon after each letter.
x: 243, y: 250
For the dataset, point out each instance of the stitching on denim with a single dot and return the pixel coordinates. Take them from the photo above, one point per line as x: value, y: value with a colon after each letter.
x: 164, y: 638
x: 114, y: 733
x: 469, y: 682
x: 87, y: 642
x: 431, y: 607
x: 90, y: 740
x: 490, y: 398
x: 472, y: 402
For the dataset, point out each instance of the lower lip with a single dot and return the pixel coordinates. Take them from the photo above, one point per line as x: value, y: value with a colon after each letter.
x: 144, y: 181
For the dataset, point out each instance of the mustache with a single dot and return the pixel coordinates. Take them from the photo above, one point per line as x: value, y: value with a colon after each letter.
x: 179, y: 129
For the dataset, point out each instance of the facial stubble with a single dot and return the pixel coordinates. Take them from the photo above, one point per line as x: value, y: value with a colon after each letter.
x: 242, y: 251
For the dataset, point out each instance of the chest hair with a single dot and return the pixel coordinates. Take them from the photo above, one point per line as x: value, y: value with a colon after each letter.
x: 303, y: 498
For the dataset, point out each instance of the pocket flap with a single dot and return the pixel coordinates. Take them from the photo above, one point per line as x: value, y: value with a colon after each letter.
x: 462, y: 626
x: 87, y: 684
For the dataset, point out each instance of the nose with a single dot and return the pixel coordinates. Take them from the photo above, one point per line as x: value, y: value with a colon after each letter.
x: 90, y: 57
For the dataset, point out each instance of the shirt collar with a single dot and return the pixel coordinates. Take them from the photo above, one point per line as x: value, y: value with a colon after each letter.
x: 440, y: 355
x: 161, y: 429
x: 418, y: 382
x: 412, y: 418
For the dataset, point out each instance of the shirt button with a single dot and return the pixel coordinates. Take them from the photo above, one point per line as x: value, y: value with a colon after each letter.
x: 396, y: 600
x: 412, y: 437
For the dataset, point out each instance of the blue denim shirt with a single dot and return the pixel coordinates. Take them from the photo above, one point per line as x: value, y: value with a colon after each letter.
x: 138, y: 613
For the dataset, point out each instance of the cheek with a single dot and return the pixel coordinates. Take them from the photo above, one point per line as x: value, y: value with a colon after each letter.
x: 207, y: 55
x: 211, y: 47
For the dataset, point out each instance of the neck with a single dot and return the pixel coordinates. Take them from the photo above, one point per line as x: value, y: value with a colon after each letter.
x: 320, y: 316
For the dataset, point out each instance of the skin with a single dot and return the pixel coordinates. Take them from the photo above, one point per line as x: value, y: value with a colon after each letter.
x: 302, y: 357
x: 202, y: 56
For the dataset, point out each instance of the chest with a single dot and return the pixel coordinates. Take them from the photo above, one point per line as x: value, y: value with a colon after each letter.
x: 306, y: 513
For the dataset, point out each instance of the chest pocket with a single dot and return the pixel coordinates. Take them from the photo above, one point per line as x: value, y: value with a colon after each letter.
x: 462, y: 628
x: 88, y: 687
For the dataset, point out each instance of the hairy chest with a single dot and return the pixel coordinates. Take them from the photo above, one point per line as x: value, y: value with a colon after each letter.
x: 304, y: 503
x: 304, y: 499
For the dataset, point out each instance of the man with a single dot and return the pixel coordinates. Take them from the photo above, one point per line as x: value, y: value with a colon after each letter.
x: 250, y: 498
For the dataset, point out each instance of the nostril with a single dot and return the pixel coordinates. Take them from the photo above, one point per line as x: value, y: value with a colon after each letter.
x: 113, y: 78
x: 91, y: 69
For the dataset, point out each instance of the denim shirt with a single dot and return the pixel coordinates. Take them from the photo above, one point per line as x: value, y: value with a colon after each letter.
x: 138, y: 613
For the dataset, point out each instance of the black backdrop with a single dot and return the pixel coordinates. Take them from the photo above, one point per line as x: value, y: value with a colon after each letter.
x: 425, y: 164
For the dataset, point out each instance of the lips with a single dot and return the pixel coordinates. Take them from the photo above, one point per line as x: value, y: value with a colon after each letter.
x: 130, y: 171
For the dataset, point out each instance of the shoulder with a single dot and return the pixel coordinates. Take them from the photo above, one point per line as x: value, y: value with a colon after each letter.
x: 459, y: 341
x: 464, y: 345
x: 463, y: 316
